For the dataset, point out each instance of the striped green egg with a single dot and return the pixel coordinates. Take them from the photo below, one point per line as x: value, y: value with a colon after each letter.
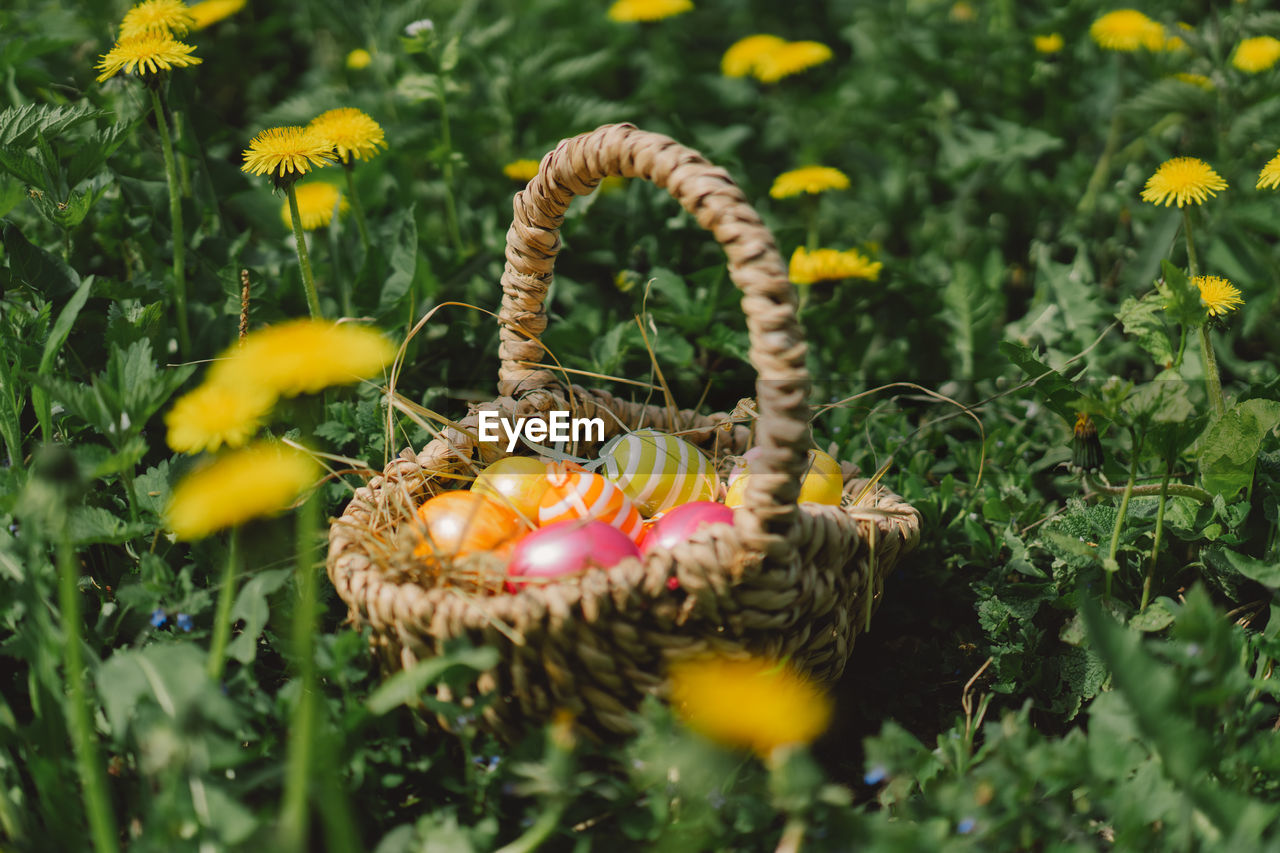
x: 659, y: 471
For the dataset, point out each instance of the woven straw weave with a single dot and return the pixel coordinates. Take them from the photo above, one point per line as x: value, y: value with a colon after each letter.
x: 783, y: 581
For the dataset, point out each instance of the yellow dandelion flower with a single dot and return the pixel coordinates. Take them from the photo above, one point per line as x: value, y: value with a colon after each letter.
x: 303, y: 356
x: 1198, y: 80
x: 963, y: 12
x: 157, y: 16
x: 521, y: 170
x: 316, y: 201
x: 359, y: 59
x: 213, y: 415
x: 831, y: 265
x: 1256, y: 54
x: 743, y: 56
x: 350, y: 132
x: 1127, y: 30
x: 627, y: 11
x: 145, y: 53
x: 1219, y: 296
x: 753, y: 704
x: 210, y: 12
x: 1184, y: 180
x: 286, y: 153
x: 791, y: 58
x: 262, y: 479
x: 1269, y: 177
x: 809, y: 179
x: 1051, y: 43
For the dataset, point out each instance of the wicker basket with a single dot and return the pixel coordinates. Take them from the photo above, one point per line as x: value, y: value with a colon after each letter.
x: 783, y: 581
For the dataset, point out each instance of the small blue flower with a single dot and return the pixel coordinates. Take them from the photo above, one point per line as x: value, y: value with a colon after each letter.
x: 875, y: 775
x: 159, y: 617
x: 184, y: 622
x: 966, y: 826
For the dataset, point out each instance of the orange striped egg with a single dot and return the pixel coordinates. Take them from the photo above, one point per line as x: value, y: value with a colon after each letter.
x: 659, y: 471
x: 574, y: 494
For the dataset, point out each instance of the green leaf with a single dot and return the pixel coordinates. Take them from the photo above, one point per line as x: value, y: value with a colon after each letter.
x: 94, y: 525
x: 402, y: 259
x: 42, y: 271
x: 1164, y: 401
x: 1142, y: 318
x: 1156, y: 617
x: 1051, y: 386
x: 251, y: 606
x: 170, y: 675
x: 406, y: 686
x: 24, y: 167
x: 21, y: 126
x: 1181, y: 298
x: 1229, y: 448
x: 1264, y: 572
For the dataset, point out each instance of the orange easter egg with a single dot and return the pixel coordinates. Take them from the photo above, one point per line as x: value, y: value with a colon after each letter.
x: 574, y: 494
x: 516, y: 482
x: 461, y: 523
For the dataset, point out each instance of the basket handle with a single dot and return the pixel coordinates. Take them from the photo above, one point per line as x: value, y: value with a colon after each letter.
x: 778, y: 347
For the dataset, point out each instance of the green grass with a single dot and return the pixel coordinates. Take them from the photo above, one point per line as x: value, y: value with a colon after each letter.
x: 1063, y: 663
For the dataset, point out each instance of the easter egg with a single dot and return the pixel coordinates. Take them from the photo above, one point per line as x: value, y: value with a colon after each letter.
x: 570, y: 547
x: 574, y: 493
x: 823, y: 482
x: 659, y: 471
x: 516, y: 482
x: 461, y: 523
x: 679, y: 524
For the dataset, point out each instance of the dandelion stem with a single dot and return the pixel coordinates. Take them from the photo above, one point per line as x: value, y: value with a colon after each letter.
x: 304, y: 260
x: 222, y: 619
x: 1111, y: 566
x: 1102, y: 168
x: 533, y: 837
x: 1212, y: 379
x: 1155, y: 544
x: 361, y: 225
x: 102, y: 825
x: 1177, y: 490
x: 298, y: 769
x: 175, y: 217
x: 451, y: 204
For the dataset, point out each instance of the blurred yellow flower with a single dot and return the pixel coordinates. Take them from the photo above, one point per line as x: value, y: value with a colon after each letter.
x: 157, y: 16
x: 752, y: 704
x: 303, y: 356
x: 1051, y: 43
x: 210, y: 12
x: 316, y: 202
x: 359, y: 59
x: 262, y: 479
x: 791, y: 58
x: 1219, y: 296
x: 213, y: 415
x: 1256, y: 54
x: 1186, y: 180
x: 627, y: 11
x: 146, y: 53
x: 1269, y: 177
x: 809, y: 179
x: 831, y: 265
x: 286, y: 153
x: 521, y: 170
x: 1198, y: 80
x: 350, y: 132
x: 743, y: 56
x: 963, y: 12
x: 1127, y: 30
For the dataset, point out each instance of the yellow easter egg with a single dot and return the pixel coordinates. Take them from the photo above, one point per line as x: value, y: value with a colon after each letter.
x: 516, y: 482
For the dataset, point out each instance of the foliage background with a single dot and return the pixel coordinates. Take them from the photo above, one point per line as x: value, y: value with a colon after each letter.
x: 999, y: 186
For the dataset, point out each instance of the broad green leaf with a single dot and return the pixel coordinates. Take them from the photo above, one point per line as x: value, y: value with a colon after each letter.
x: 1159, y: 402
x: 407, y: 685
x: 170, y: 675
x: 251, y: 606
x: 42, y: 271
x: 1229, y: 448
x: 1264, y: 572
x: 1051, y: 386
x: 21, y: 126
x: 1143, y: 319
x: 402, y: 259
x: 94, y: 525
x: 1156, y: 617
x: 25, y: 168
x: 1181, y: 298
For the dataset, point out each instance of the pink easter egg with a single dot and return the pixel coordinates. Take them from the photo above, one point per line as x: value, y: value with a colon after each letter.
x: 570, y: 547
x: 679, y: 524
